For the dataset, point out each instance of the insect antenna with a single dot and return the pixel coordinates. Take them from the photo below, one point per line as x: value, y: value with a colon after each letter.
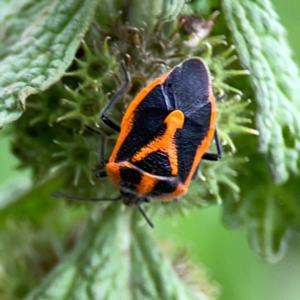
x: 145, y: 216
x: 71, y: 197
x: 58, y: 195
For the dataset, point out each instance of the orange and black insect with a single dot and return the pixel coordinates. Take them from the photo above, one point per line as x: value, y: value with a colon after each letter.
x: 163, y: 136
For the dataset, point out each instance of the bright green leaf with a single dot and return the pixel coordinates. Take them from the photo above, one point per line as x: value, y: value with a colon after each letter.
x: 116, y: 259
x: 38, y: 43
x: 262, y: 46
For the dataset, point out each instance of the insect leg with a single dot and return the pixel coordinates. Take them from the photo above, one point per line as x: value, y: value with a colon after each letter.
x: 214, y: 156
x: 102, y: 141
x: 195, y: 175
x: 144, y: 215
x: 211, y: 156
x: 58, y: 195
x: 104, y: 117
x: 100, y: 173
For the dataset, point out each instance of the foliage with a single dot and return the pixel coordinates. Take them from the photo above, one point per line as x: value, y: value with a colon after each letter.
x: 61, y: 62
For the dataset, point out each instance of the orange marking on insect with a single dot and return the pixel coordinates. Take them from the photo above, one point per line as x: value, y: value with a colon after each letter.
x: 180, y: 191
x: 206, y: 141
x: 147, y: 184
x: 127, y: 121
x: 165, y: 143
x: 113, y: 171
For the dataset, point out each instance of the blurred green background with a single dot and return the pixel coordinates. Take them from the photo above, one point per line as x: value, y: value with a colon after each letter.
x: 225, y: 254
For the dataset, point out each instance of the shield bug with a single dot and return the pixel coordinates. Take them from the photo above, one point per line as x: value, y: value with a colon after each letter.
x: 164, y: 134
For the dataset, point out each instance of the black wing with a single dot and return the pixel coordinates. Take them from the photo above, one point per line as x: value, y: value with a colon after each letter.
x: 187, y: 89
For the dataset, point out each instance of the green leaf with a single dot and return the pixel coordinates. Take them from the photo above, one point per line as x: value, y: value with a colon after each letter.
x: 270, y: 212
x: 262, y: 47
x: 38, y: 42
x: 268, y: 226
x: 116, y: 259
x: 24, y: 203
x: 19, y: 186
